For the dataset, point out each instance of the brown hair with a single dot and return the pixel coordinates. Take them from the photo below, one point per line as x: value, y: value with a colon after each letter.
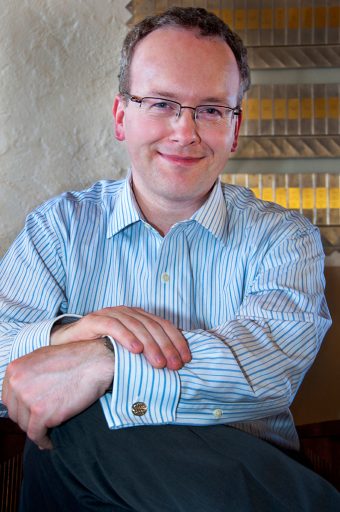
x: 188, y: 17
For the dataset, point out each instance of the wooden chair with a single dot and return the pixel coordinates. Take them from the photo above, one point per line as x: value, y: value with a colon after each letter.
x: 12, y: 441
x: 320, y: 445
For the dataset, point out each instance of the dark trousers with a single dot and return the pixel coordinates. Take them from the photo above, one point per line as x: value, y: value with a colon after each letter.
x: 166, y: 469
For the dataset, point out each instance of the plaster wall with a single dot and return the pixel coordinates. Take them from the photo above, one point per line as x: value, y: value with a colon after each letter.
x: 58, y: 78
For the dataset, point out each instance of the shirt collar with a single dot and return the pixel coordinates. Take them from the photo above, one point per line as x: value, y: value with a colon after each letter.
x: 213, y: 213
x: 126, y: 210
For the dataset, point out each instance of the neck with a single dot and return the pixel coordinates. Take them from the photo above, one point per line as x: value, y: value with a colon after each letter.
x: 162, y: 214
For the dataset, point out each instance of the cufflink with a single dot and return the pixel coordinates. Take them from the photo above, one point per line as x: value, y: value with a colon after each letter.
x: 139, y: 408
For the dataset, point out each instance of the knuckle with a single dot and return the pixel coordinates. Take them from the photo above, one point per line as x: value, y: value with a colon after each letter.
x: 89, y: 319
x: 151, y: 325
x: 105, y: 325
x: 31, y: 434
x: 139, y: 310
x: 13, y: 383
x: 121, y: 307
x: 37, y: 410
x: 108, y: 323
x: 25, y: 398
x: 134, y: 323
x: 167, y: 323
x: 11, y: 370
x: 129, y: 338
x: 120, y: 310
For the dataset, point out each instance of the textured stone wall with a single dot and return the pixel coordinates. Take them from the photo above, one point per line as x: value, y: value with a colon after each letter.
x: 58, y: 78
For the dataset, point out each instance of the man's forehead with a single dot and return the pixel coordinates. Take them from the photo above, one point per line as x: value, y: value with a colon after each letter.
x: 179, y: 36
x: 198, y: 65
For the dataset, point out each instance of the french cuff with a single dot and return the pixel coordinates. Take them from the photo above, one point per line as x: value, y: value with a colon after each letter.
x: 141, y: 394
x: 36, y: 335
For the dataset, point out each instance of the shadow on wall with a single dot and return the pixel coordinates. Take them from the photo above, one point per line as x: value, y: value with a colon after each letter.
x: 318, y: 398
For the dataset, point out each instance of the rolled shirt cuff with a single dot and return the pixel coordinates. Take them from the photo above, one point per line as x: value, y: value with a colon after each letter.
x: 141, y: 394
x: 37, y: 335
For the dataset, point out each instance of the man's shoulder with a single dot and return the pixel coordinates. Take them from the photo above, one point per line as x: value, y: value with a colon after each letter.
x: 254, y: 213
x: 100, y: 194
x: 74, y: 209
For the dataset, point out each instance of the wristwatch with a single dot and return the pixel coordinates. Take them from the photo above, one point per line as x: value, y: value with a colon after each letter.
x: 109, y: 346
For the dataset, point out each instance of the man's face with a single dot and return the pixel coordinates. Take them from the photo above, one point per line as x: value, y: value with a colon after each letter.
x: 176, y: 162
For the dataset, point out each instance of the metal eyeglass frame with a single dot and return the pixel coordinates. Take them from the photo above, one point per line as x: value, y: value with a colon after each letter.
x: 236, y: 111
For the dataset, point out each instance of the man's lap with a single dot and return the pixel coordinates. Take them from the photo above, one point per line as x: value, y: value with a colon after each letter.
x: 167, y: 469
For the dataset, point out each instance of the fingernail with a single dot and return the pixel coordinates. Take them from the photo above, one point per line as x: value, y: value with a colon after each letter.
x: 159, y: 360
x: 135, y: 345
x: 175, y: 361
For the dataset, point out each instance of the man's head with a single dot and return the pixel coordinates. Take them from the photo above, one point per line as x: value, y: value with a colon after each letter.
x: 206, y: 23
x: 178, y: 108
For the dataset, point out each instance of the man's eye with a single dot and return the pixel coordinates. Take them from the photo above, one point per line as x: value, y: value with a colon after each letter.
x: 211, y: 112
x: 162, y: 105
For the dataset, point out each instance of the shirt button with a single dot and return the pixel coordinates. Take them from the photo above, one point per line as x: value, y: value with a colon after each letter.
x: 165, y: 277
x: 139, y: 408
x: 218, y: 413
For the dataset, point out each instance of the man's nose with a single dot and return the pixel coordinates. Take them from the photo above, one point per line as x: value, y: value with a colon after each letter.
x: 184, y: 127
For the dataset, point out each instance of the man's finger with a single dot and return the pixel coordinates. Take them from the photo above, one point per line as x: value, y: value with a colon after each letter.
x: 174, y: 335
x: 36, y: 428
x: 45, y: 443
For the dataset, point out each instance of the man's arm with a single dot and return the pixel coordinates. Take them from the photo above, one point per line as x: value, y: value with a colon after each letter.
x: 133, y: 328
x: 251, y: 366
x: 32, y: 296
x: 52, y: 384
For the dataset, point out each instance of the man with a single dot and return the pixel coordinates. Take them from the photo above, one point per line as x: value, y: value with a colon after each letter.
x: 183, y: 306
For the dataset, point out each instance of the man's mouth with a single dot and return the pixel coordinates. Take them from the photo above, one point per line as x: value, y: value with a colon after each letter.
x: 181, y: 159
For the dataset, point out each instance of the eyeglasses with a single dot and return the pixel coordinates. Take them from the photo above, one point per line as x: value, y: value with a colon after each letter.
x: 205, y: 115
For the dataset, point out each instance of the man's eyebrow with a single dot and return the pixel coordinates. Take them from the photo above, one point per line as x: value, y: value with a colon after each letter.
x: 214, y: 99
x: 172, y: 96
x: 162, y: 94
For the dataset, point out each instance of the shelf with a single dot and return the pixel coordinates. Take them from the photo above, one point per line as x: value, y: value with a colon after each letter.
x: 291, y: 57
x: 297, y: 146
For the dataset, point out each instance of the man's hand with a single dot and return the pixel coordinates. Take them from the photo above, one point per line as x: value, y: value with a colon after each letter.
x: 47, y: 387
x: 138, y: 331
x: 52, y: 384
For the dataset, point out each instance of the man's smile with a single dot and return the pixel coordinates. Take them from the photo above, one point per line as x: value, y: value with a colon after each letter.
x: 181, y: 159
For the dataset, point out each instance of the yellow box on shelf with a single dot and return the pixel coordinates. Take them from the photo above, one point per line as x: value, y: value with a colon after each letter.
x: 253, y: 16
x: 294, y: 199
x: 240, y: 19
x: 321, y: 197
x: 227, y: 16
x: 268, y: 194
x: 293, y: 18
x: 266, y: 19
x: 308, y: 198
x: 320, y: 193
x: 334, y: 198
x: 281, y: 196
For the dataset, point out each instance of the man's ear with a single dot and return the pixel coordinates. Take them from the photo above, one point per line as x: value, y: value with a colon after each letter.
x: 236, y: 131
x: 118, y: 111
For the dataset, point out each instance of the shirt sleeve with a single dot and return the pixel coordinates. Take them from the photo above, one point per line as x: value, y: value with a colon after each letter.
x: 246, y: 369
x: 32, y: 269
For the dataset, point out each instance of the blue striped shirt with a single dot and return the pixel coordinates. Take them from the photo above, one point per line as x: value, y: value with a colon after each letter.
x: 242, y: 278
